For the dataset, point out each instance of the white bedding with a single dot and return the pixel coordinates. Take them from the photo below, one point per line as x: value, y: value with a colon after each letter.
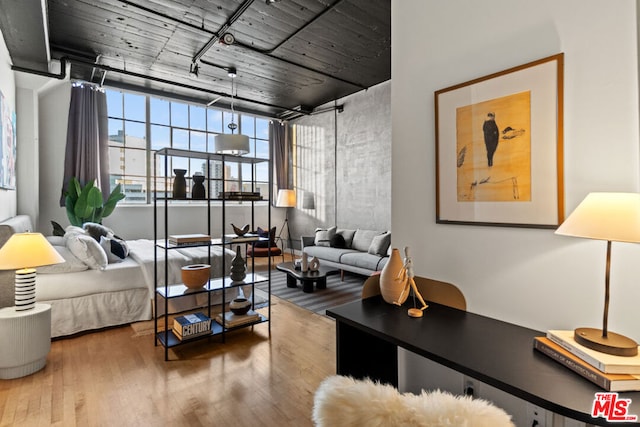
x: 124, y: 291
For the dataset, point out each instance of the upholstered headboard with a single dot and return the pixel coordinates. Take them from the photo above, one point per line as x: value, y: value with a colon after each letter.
x: 16, y: 224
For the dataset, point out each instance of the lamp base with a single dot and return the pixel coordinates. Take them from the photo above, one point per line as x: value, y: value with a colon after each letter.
x: 613, y: 343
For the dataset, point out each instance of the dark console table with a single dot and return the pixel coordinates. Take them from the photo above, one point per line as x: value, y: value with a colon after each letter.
x: 497, y: 353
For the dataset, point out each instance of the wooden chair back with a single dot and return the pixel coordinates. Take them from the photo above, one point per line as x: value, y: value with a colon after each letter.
x: 431, y: 290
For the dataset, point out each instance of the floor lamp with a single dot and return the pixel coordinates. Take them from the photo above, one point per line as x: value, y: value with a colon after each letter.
x: 286, y: 199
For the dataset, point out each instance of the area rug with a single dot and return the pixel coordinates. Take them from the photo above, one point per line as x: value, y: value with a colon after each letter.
x: 337, y: 292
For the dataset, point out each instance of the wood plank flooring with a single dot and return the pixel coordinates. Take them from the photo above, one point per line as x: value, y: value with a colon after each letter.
x: 117, y: 377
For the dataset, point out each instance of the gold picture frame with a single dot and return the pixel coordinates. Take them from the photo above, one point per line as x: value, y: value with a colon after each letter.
x: 499, y: 148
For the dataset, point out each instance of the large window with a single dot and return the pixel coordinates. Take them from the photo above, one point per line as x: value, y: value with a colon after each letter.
x: 141, y: 124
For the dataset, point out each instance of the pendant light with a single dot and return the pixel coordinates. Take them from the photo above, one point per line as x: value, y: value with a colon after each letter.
x: 231, y: 143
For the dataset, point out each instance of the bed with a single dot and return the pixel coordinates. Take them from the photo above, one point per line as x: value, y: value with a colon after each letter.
x: 120, y: 293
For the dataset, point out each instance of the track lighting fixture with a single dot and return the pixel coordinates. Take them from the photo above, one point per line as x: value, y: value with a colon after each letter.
x: 231, y: 72
x: 193, y: 69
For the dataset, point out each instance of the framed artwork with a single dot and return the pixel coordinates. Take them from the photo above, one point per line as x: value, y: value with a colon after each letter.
x: 8, y: 145
x: 499, y: 157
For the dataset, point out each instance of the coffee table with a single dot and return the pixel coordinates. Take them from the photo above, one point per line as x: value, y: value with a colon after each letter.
x: 308, y: 278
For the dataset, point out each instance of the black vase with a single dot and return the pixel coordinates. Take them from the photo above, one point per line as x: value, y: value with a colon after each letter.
x: 197, y: 191
x: 179, y: 184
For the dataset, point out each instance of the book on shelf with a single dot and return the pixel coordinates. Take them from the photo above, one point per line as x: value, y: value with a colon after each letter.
x: 181, y: 239
x: 231, y: 319
x: 191, y: 325
x: 234, y: 238
x: 604, y: 362
x: 609, y: 382
x: 240, y: 195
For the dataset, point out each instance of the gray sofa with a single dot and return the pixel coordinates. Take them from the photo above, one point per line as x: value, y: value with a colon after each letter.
x: 358, y: 251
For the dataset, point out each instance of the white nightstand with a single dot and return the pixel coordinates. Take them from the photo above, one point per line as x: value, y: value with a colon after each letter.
x: 26, y: 340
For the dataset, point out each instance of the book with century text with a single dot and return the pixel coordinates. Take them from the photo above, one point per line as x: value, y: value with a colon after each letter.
x: 191, y: 325
x: 609, y: 382
x: 604, y: 362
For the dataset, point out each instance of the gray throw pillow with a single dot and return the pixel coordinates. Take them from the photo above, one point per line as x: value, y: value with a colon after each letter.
x: 362, y: 239
x: 323, y: 237
x: 347, y: 234
x: 380, y: 244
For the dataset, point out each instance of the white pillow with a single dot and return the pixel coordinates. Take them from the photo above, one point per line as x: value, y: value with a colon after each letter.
x: 105, y: 243
x: 87, y: 250
x: 323, y: 237
x: 71, y: 263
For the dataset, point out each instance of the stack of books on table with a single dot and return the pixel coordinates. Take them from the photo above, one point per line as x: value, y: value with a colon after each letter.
x: 189, y: 239
x: 612, y: 373
x: 191, y: 326
x: 232, y: 320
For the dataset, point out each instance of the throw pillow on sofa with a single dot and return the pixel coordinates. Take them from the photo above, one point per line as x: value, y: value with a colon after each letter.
x: 380, y: 244
x: 338, y: 241
x: 87, y: 250
x: 347, y: 234
x: 323, y: 237
x: 362, y: 239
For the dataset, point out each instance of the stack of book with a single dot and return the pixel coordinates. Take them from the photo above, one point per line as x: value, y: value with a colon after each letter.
x: 612, y: 373
x: 234, y: 238
x: 189, y: 239
x: 240, y: 195
x: 191, y: 326
x: 232, y: 320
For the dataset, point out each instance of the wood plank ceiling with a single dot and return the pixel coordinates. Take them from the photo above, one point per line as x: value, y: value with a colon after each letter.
x: 289, y: 54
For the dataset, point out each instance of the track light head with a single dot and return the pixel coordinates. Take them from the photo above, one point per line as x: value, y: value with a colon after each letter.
x: 231, y: 72
x: 193, y: 69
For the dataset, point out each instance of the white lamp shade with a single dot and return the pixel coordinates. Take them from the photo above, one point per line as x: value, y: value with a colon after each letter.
x: 286, y: 199
x: 235, y: 144
x: 26, y: 250
x: 605, y: 216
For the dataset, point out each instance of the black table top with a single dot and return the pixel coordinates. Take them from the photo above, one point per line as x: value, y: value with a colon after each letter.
x: 322, y: 271
x: 498, y: 353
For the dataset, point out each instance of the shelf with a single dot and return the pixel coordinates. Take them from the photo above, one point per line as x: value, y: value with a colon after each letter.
x: 173, y: 341
x: 180, y: 290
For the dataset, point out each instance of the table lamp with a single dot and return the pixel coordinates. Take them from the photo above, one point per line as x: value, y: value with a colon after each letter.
x: 610, y: 217
x: 22, y: 252
x: 286, y: 199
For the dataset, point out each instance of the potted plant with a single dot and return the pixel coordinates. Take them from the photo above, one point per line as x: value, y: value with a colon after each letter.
x: 86, y: 204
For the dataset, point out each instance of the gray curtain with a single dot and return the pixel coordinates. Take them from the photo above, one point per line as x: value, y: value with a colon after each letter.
x: 279, y: 137
x: 87, y: 150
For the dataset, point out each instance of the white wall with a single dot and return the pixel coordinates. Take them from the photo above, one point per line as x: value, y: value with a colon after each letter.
x: 8, y: 88
x: 526, y: 276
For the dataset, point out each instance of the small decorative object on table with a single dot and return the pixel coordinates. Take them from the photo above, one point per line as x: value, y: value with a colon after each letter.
x: 179, y: 184
x: 240, y: 231
x: 304, y: 262
x: 238, y: 268
x: 407, y: 277
x: 240, y: 306
x: 195, y: 276
x: 197, y: 191
x: 314, y: 264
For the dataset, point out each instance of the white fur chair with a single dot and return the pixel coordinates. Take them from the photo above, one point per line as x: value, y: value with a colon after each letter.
x: 345, y: 402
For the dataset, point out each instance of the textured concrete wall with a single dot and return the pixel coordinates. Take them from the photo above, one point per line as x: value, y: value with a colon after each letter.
x: 344, y: 159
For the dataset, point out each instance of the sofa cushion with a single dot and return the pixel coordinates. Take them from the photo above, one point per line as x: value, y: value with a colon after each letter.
x: 87, y: 250
x: 347, y: 234
x: 337, y: 241
x: 361, y: 260
x: 362, y: 239
x: 324, y: 252
x: 380, y: 244
x: 323, y: 237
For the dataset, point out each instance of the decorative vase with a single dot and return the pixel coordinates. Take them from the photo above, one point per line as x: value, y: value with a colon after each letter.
x: 240, y: 306
x: 195, y: 276
x: 179, y: 184
x: 238, y: 269
x: 197, y: 191
x: 304, y: 263
x: 391, y: 286
x: 314, y: 264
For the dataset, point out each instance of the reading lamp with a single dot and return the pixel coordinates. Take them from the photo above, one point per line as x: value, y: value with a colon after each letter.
x: 22, y: 252
x: 286, y: 199
x: 610, y: 217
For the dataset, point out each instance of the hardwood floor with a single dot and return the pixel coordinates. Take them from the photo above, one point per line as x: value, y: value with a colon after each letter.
x: 117, y: 377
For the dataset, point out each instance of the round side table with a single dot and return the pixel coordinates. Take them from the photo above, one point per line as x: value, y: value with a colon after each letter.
x: 26, y: 340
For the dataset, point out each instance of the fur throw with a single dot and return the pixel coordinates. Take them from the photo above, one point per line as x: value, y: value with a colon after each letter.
x: 344, y: 402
